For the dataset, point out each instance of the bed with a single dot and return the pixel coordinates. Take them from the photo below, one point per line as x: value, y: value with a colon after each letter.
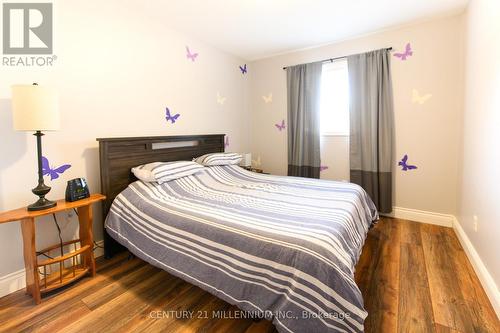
x: 280, y: 248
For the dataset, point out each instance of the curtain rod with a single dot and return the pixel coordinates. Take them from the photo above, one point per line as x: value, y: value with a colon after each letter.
x: 337, y: 58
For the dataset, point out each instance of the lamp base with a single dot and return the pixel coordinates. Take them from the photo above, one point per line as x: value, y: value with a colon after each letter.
x: 42, y: 204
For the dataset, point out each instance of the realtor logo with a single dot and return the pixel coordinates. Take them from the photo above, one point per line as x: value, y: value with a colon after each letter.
x: 27, y: 28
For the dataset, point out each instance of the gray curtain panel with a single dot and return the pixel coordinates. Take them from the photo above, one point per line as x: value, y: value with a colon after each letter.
x: 303, y: 97
x: 372, y: 125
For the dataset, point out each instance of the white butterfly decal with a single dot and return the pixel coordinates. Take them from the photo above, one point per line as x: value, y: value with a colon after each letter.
x: 416, y: 98
x: 257, y: 163
x: 220, y: 99
x: 268, y: 99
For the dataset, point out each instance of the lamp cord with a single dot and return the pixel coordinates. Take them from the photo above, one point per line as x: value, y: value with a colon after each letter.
x: 59, y: 232
x: 96, y: 246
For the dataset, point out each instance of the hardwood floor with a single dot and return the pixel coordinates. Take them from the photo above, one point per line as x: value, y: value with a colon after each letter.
x: 414, y: 278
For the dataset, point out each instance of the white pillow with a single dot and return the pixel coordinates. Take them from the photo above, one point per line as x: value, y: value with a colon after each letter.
x: 219, y: 159
x: 165, y: 171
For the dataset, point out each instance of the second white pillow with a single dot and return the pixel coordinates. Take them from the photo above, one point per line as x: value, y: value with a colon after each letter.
x: 219, y: 159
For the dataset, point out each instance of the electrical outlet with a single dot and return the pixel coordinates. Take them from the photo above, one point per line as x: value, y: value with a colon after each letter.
x: 475, y: 225
x: 70, y: 213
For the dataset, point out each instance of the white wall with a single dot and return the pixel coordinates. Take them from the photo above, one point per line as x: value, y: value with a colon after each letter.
x: 117, y: 70
x: 479, y: 191
x: 428, y: 133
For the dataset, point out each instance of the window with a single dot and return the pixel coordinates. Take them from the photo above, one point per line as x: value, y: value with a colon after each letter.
x: 334, y: 105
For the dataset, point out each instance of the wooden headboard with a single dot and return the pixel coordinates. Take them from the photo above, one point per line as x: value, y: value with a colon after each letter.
x: 119, y: 155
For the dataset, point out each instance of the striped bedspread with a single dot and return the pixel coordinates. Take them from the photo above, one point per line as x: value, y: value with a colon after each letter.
x: 280, y: 248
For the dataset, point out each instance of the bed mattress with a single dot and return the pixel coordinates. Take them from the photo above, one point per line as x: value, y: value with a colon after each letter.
x: 281, y: 248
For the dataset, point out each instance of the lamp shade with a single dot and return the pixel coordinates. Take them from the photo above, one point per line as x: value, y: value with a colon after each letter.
x: 35, y: 108
x: 247, y: 160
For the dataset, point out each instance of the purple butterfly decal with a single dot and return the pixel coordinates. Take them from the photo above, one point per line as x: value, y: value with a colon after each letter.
x: 53, y: 173
x: 408, y: 52
x: 404, y: 165
x: 190, y: 55
x: 226, y: 142
x: 323, y: 167
x: 169, y: 117
x: 243, y: 69
x: 282, y: 126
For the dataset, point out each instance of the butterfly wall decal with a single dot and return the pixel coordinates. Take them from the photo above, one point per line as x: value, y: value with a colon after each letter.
x: 226, y: 142
x: 323, y: 167
x: 408, y: 52
x: 243, y: 69
x: 220, y: 99
x: 416, y: 98
x: 169, y: 117
x: 257, y: 163
x: 53, y: 172
x: 190, y: 55
x: 268, y: 99
x: 281, y: 126
x: 404, y: 164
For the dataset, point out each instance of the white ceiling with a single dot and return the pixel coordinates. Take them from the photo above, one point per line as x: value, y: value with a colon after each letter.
x: 253, y: 29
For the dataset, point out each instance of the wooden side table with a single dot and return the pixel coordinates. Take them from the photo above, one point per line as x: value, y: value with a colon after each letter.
x: 34, y: 285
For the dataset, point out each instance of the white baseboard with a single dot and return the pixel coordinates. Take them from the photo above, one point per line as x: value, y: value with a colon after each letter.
x: 99, y: 251
x: 12, y: 282
x: 445, y: 220
x: 17, y: 280
x: 484, y: 276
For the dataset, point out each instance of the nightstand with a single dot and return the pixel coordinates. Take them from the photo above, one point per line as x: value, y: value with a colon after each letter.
x: 35, y: 285
x: 256, y: 170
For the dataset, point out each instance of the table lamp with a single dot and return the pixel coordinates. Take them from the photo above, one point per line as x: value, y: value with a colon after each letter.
x: 247, y: 160
x: 35, y: 108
